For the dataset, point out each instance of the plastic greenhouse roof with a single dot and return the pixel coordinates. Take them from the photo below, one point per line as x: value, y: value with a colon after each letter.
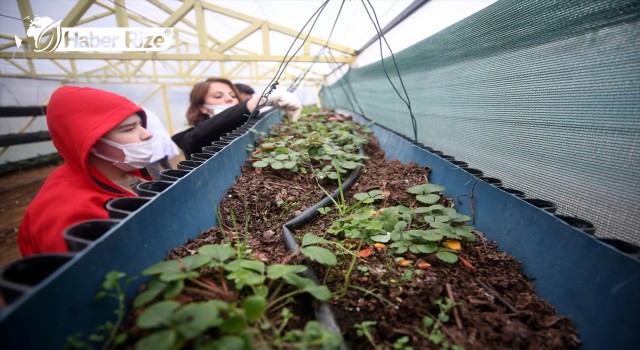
x: 243, y: 40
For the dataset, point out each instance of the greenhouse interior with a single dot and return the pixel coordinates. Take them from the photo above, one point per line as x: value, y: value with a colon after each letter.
x: 403, y: 174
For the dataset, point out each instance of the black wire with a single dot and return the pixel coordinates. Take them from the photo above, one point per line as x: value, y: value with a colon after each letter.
x: 381, y: 37
x: 347, y: 94
x: 274, y: 82
x: 301, y: 76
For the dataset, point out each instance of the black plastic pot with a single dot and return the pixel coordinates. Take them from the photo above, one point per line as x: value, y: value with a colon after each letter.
x: 79, y: 236
x: 228, y: 138
x: 513, y: 191
x: 173, y: 175
x: 18, y: 277
x: 152, y: 188
x: 221, y: 144
x: 201, y: 156
x: 492, y: 180
x: 120, y: 208
x: 447, y: 157
x: 459, y: 163
x: 212, y: 149
x: 623, y: 246
x: 473, y: 171
x: 189, y: 164
x: 542, y: 204
x: 584, y: 225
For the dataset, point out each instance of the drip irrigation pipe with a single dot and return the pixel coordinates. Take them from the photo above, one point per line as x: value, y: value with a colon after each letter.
x: 323, y: 312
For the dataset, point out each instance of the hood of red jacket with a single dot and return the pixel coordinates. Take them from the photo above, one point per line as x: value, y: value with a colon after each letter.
x: 78, y: 116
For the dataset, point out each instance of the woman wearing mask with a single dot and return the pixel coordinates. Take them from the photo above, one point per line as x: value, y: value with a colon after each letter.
x: 102, y: 138
x: 215, y: 110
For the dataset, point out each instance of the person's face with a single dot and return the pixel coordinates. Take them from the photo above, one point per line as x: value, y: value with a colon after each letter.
x: 128, y: 131
x: 220, y: 94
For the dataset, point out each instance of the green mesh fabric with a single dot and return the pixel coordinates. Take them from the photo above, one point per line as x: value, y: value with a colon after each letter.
x: 544, y: 95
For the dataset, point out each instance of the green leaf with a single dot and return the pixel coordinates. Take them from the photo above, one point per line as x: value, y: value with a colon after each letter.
x: 447, y: 257
x: 426, y: 248
x: 461, y: 218
x: 277, y: 165
x: 441, y: 225
x: 421, y: 210
x: 310, y: 239
x: 279, y: 270
x: 425, y: 188
x: 162, y: 340
x: 442, y: 218
x: 163, y: 266
x: 255, y: 265
x: 431, y: 236
x: 111, y: 279
x: 361, y: 196
x: 244, y: 277
x: 260, y: 164
x: 281, y: 157
x: 155, y: 287
x: 158, y: 314
x: 234, y: 324
x: 289, y: 164
x: 217, y: 252
x: 324, y: 210
x: 195, y: 318
x: 319, y: 254
x: 436, y: 207
x: 321, y: 293
x: 428, y: 198
x: 298, y: 281
x: 173, y: 289
x: 254, y: 307
x: 400, y: 225
x: 466, y: 234
x: 382, y: 238
x: 230, y: 342
x: 194, y: 262
x: 171, y: 276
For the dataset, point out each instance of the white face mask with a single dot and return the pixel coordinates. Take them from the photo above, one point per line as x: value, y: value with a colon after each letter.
x: 217, y: 109
x: 137, y: 155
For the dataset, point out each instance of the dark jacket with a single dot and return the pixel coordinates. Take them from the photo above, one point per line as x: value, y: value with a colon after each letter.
x: 193, y: 139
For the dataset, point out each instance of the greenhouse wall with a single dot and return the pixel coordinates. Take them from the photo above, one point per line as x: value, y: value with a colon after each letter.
x: 542, y: 95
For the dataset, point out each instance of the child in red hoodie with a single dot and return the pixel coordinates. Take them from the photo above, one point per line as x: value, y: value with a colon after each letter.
x: 102, y: 138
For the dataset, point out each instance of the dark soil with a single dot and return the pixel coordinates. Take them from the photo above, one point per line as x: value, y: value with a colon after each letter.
x: 497, y: 306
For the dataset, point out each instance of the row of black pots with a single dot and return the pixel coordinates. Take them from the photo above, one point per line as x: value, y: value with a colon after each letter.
x: 581, y: 224
x: 196, y: 159
x: 19, y: 276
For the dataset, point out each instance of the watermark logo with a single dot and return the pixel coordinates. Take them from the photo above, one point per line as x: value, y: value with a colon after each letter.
x: 49, y: 36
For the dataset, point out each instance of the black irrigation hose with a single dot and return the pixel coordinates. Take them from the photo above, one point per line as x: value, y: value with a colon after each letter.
x: 323, y: 312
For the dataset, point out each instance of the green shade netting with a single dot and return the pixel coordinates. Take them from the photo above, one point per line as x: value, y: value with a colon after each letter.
x: 544, y: 95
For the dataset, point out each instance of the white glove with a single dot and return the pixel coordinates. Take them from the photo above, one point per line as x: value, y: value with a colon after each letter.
x: 286, y: 101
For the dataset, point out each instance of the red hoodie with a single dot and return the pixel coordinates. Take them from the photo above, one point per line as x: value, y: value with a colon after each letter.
x: 76, y: 191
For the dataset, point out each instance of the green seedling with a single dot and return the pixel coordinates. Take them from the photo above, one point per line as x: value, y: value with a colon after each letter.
x: 107, y: 333
x: 432, y: 326
x: 365, y: 328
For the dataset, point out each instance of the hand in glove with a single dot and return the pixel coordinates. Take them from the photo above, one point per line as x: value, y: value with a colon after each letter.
x: 286, y: 101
